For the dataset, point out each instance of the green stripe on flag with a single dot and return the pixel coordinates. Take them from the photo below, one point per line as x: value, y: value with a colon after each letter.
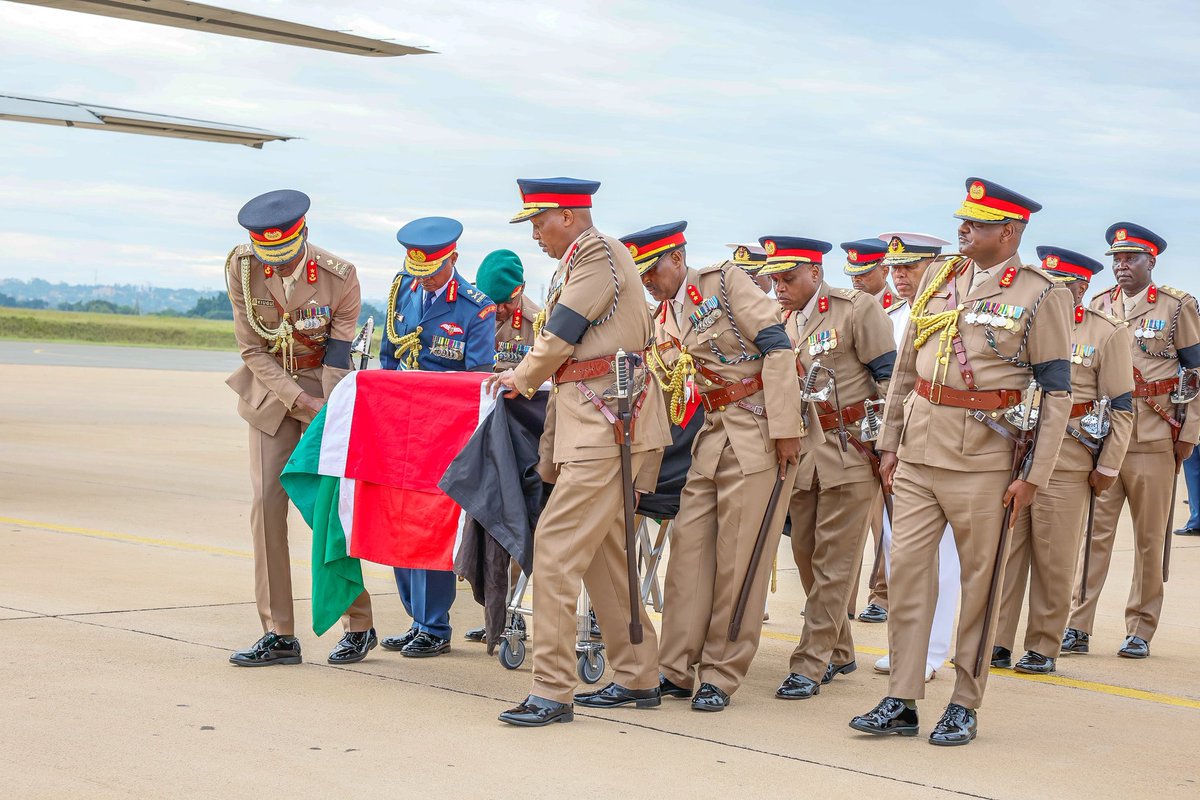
x: 336, y: 577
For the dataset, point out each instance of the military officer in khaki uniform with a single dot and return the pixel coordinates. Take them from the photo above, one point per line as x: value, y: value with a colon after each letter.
x: 720, y: 342
x: 1045, y: 542
x: 594, y: 309
x: 1166, y: 336
x: 868, y: 273
x: 982, y: 326
x: 295, y: 311
x: 503, y: 272
x: 849, y: 334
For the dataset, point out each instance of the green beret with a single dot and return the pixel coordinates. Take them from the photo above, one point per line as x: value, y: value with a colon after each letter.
x: 500, y: 275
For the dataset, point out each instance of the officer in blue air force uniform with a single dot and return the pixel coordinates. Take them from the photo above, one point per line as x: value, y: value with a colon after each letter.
x: 436, y: 321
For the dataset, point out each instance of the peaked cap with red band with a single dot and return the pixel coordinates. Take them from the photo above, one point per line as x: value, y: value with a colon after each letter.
x: 786, y: 253
x: 1067, y: 265
x: 275, y: 221
x: 543, y: 194
x: 428, y: 242
x: 990, y: 202
x: 648, y: 246
x: 863, y: 255
x: 1129, y: 237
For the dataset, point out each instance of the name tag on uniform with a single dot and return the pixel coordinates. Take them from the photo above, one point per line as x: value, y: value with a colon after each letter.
x: 1151, y: 329
x: 1083, y: 354
x: 258, y: 301
x: 511, y: 352
x: 997, y: 315
x: 822, y: 342
x: 449, y: 349
x: 705, y: 315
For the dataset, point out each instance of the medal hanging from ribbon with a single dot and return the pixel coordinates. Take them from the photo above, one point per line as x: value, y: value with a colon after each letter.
x: 822, y: 342
x: 1082, y: 354
x: 996, y: 315
x: 706, y: 314
x: 1151, y: 329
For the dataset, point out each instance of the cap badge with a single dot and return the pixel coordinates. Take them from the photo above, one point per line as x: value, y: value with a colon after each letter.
x: 977, y: 191
x: 417, y: 255
x: 741, y: 253
x: 633, y: 251
x: 1051, y: 262
x: 895, y: 245
x: 273, y: 235
x: 769, y: 246
x: 852, y: 255
x: 1121, y: 234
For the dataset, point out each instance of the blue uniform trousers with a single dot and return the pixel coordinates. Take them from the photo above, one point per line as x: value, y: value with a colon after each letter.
x: 427, y: 595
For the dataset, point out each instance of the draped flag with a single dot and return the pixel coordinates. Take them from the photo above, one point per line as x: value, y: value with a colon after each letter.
x: 365, y: 474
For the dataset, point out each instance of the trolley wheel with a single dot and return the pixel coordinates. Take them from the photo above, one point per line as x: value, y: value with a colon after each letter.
x: 591, y: 667
x: 512, y: 657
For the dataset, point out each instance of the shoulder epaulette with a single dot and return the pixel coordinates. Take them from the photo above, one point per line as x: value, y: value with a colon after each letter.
x: 896, y: 306
x: 1178, y: 294
x: 242, y: 250
x: 720, y: 266
x: 472, y: 294
x: 331, y: 263
x: 1115, y: 321
x: 845, y: 294
x: 1041, y: 273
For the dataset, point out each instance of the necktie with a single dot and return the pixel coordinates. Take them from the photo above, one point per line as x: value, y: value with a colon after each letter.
x: 426, y: 303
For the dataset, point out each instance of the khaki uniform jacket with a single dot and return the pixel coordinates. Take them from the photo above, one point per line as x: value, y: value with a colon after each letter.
x: 583, y: 323
x: 861, y: 352
x: 266, y: 391
x: 1176, y: 312
x: 1100, y: 366
x: 758, y: 321
x: 947, y: 437
x: 515, y: 338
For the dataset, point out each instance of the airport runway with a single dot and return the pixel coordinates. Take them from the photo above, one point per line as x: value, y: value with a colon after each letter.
x: 63, y: 354
x: 126, y: 579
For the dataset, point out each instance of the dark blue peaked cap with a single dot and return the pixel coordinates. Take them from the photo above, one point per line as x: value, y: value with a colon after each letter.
x: 1067, y: 263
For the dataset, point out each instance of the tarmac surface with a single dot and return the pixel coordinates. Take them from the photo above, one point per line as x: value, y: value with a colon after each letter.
x: 126, y: 579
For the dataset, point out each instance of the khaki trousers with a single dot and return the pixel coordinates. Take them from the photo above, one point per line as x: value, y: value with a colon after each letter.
x: 269, y: 530
x: 711, y: 543
x: 581, y: 537
x: 1145, y: 481
x: 829, y: 528
x: 877, y: 591
x: 1044, y: 548
x: 926, y: 498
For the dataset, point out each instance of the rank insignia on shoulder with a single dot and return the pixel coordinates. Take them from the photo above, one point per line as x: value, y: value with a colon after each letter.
x: 451, y: 328
x: 849, y: 294
x: 491, y: 309
x: 822, y: 342
x: 1083, y: 354
x: 474, y: 295
x: 707, y: 312
x: 449, y: 349
x: 1178, y: 294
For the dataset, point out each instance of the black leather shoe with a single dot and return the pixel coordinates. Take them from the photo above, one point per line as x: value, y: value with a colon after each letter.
x: 668, y: 689
x: 957, y: 726
x: 615, y: 695
x: 534, y: 712
x: 594, y: 631
x: 1186, y: 531
x: 890, y: 716
x: 1001, y: 657
x: 1034, y: 664
x: 398, y: 642
x: 476, y: 635
x: 797, y: 687
x: 1134, y: 647
x: 354, y: 647
x: 873, y: 613
x: 1075, y: 641
x: 425, y: 645
x: 710, y: 698
x: 270, y: 649
x: 833, y: 670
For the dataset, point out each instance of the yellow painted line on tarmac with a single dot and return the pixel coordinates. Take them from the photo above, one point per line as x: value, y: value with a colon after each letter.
x: 1056, y: 680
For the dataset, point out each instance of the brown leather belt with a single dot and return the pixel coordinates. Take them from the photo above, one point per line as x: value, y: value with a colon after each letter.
x: 586, y: 369
x: 850, y: 416
x: 1079, y: 409
x: 310, y: 361
x: 982, y: 400
x: 717, y: 399
x: 1155, y: 388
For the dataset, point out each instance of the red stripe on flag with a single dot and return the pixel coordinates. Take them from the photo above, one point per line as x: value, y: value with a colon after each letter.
x: 404, y: 527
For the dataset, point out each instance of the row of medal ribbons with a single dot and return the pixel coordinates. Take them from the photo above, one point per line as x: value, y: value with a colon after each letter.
x: 998, y: 315
x: 1151, y: 329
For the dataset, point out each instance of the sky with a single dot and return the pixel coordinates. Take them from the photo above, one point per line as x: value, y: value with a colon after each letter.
x: 835, y: 121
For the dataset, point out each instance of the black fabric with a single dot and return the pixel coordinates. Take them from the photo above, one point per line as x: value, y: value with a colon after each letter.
x: 567, y: 324
x: 773, y: 337
x: 881, y: 368
x: 1122, y: 402
x: 496, y: 482
x: 1189, y: 356
x: 1053, y: 376
x: 337, y: 354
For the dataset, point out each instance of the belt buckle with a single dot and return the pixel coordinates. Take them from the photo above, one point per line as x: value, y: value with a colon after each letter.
x: 935, y: 393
